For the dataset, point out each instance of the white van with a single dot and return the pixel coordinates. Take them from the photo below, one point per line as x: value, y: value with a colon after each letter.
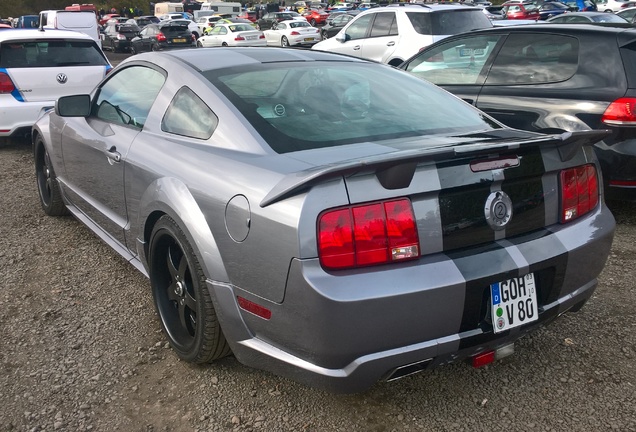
x: 167, y: 7
x: 233, y: 8
x: 80, y: 21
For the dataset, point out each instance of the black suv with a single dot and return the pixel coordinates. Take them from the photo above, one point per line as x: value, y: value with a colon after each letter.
x: 548, y: 77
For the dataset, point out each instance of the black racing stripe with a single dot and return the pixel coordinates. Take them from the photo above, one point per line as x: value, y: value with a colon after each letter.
x: 462, y: 215
x: 528, y: 205
x: 530, y: 165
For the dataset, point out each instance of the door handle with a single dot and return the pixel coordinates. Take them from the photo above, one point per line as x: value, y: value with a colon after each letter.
x: 392, y: 43
x: 356, y: 48
x: 113, y: 155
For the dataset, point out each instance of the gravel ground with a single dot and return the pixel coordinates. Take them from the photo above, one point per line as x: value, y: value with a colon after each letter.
x: 82, y: 350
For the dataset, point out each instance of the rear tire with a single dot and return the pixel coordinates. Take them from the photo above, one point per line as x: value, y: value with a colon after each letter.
x: 154, y: 48
x: 224, y: 44
x: 181, y: 296
x: 48, y: 187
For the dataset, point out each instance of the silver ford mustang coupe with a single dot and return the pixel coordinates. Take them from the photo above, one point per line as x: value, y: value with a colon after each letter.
x: 326, y: 218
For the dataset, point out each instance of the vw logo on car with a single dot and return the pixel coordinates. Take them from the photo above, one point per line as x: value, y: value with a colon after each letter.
x: 61, y: 78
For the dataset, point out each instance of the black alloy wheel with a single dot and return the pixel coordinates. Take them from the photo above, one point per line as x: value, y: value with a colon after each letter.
x: 48, y: 187
x: 181, y: 296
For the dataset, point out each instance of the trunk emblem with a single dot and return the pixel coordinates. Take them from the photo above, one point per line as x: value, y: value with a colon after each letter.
x: 498, y: 210
x: 61, y: 78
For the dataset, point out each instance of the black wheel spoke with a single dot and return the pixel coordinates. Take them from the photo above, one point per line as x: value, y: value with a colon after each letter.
x: 183, y: 267
x: 190, y: 301
x: 171, y: 264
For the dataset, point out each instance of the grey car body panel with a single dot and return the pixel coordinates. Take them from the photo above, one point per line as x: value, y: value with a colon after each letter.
x: 341, y: 330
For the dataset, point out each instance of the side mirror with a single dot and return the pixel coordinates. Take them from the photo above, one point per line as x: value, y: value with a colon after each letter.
x: 73, y: 106
x: 343, y: 37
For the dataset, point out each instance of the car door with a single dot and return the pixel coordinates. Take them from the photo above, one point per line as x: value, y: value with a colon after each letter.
x: 95, y: 147
x: 353, y: 36
x: 458, y: 64
x: 382, y: 39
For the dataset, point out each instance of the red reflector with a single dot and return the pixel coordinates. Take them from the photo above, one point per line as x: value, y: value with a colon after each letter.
x: 262, y: 36
x: 483, y: 359
x: 5, y: 130
x: 6, y: 85
x: 239, y: 38
x: 620, y: 112
x: 623, y: 183
x: 294, y: 33
x: 254, y: 308
x: 368, y: 234
x: 579, y: 192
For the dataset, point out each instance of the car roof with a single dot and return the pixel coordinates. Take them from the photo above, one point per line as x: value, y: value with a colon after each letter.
x: 564, y: 28
x: 421, y: 7
x: 22, y: 34
x: 219, y: 58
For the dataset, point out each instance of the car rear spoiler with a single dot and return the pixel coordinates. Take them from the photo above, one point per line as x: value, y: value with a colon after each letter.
x: 567, y: 143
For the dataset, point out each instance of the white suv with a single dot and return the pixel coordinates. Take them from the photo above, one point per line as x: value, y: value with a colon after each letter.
x: 37, y: 67
x: 393, y: 34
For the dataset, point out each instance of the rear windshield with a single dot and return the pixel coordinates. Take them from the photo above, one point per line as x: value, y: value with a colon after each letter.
x: 43, y: 53
x: 296, y: 106
x: 128, y: 28
x: 448, y: 22
x: 174, y: 29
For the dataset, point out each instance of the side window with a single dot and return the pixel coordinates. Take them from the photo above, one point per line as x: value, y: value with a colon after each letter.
x: 383, y: 24
x: 189, y: 116
x: 460, y: 61
x: 223, y: 30
x: 126, y: 98
x: 358, y: 28
x: 535, y: 59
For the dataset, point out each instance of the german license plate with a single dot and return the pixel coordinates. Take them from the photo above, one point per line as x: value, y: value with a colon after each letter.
x: 514, y: 303
x: 178, y: 40
x: 250, y: 37
x: 308, y: 39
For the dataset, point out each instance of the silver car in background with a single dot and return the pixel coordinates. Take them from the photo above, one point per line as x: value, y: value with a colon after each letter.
x: 326, y: 218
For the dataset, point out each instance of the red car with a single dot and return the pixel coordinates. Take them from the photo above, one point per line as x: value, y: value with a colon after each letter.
x: 519, y: 10
x: 106, y: 17
x: 315, y: 16
x: 249, y: 15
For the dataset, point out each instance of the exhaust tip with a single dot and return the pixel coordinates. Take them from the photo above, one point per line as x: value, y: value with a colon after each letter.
x: 409, y: 369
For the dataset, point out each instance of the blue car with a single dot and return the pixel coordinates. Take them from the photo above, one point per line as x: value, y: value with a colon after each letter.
x: 550, y: 9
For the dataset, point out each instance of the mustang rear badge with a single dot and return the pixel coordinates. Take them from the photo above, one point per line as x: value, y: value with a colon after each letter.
x: 61, y: 78
x: 498, y: 210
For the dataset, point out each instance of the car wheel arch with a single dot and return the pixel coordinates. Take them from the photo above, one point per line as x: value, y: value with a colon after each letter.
x: 170, y: 196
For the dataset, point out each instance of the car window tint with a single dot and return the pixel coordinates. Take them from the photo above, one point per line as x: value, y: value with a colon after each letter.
x: 346, y: 103
x: 126, y: 98
x: 456, y: 62
x: 384, y: 25
x: 455, y: 22
x: 189, y: 116
x: 43, y: 53
x: 535, y: 59
x: 358, y: 28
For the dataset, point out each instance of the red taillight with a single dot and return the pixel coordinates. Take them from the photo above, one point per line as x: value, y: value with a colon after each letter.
x: 262, y: 36
x: 295, y: 33
x: 367, y: 234
x: 161, y: 37
x: 121, y: 36
x: 579, y: 192
x: 239, y: 38
x: 6, y: 85
x: 620, y: 112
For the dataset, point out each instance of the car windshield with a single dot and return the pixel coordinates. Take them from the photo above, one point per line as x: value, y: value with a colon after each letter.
x: 297, y: 106
x: 448, y: 22
x: 240, y: 27
x: 50, y: 53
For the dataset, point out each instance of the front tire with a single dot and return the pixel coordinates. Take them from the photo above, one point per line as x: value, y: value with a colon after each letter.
x: 133, y: 51
x: 284, y: 42
x: 313, y: 22
x: 181, y: 296
x: 48, y: 187
x: 199, y: 44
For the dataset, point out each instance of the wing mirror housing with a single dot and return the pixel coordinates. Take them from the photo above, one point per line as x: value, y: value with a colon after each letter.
x: 73, y: 106
x: 342, y: 38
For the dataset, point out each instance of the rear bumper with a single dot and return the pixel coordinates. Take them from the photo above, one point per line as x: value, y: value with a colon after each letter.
x: 344, y: 332
x: 618, y: 162
x: 17, y: 117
